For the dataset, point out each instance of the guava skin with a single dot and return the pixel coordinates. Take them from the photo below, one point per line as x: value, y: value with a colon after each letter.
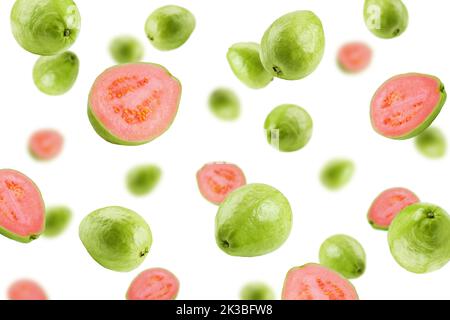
x: 419, y: 238
x: 343, y: 254
x: 45, y: 27
x: 254, y: 220
x: 141, y: 180
x: 56, y: 220
x: 337, y: 173
x: 126, y: 49
x: 386, y: 19
x: 288, y: 128
x: 169, y: 27
x: 432, y: 143
x: 225, y: 104
x: 117, y: 238
x: 55, y: 75
x: 245, y: 62
x: 293, y: 46
x: 257, y: 291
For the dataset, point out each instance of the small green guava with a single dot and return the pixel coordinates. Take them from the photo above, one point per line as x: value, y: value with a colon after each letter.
x: 245, y: 62
x: 337, y: 173
x: 126, y: 49
x: 45, y: 27
x: 56, y: 220
x: 257, y: 291
x: 141, y: 180
x: 225, y: 104
x: 343, y: 254
x: 386, y: 18
x: 419, y: 238
x: 253, y: 220
x: 169, y: 27
x: 117, y: 238
x: 55, y: 75
x: 431, y: 143
x: 293, y: 46
x: 288, y: 127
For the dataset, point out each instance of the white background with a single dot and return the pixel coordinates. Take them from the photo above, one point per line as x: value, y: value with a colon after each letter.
x: 90, y: 172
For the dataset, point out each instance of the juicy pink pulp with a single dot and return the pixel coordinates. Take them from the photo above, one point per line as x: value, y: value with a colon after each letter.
x: 403, y: 103
x: 314, y: 282
x: 355, y: 56
x: 388, y: 204
x: 46, y: 144
x: 135, y: 102
x: 26, y: 290
x: 22, y: 209
x: 217, y: 180
x: 154, y: 284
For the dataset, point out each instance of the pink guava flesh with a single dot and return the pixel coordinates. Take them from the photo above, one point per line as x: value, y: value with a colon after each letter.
x: 22, y: 210
x: 217, y: 180
x: 354, y: 57
x: 315, y: 282
x: 388, y: 204
x: 135, y: 102
x: 154, y: 284
x: 406, y: 105
x: 26, y: 290
x: 46, y: 144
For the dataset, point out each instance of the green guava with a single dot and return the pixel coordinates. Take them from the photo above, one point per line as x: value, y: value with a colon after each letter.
x: 57, y: 220
x: 254, y: 220
x: 225, y: 104
x: 419, y: 238
x: 117, y: 238
x: 45, y: 27
x: 141, y: 180
x: 337, y: 173
x: 431, y: 143
x: 245, y: 62
x: 288, y: 127
x: 257, y: 291
x: 55, y: 75
x: 386, y: 18
x: 126, y: 49
x: 343, y: 254
x: 169, y: 27
x: 293, y: 46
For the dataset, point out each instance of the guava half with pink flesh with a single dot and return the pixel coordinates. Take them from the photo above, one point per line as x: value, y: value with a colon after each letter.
x: 315, y: 282
x: 26, y: 290
x: 132, y: 104
x: 45, y: 144
x: 354, y: 57
x: 154, y: 284
x: 388, y: 204
x: 216, y: 180
x: 406, y: 105
x: 22, y: 210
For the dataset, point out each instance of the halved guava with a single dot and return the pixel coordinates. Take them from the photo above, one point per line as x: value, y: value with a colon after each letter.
x: 132, y: 104
x: 406, y: 105
x: 154, y: 284
x: 26, y: 290
x: 216, y: 180
x: 22, y: 210
x: 388, y: 204
x: 354, y: 57
x: 45, y: 144
x: 315, y: 282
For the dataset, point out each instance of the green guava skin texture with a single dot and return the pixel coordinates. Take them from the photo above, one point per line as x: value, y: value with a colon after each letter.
x: 257, y: 291
x: 419, y: 238
x: 141, y: 180
x: 288, y: 128
x: 337, y: 173
x: 169, y: 27
x: 386, y: 19
x: 245, y: 62
x: 225, y: 104
x: 293, y: 46
x: 432, y: 143
x: 117, y: 238
x: 45, y: 27
x: 254, y: 220
x: 126, y: 49
x: 343, y: 254
x: 55, y: 75
x: 56, y: 220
